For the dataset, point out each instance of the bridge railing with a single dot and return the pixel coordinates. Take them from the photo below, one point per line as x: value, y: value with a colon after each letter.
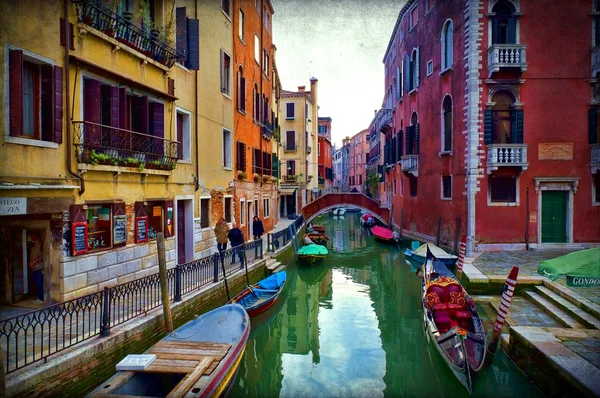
x: 279, y: 239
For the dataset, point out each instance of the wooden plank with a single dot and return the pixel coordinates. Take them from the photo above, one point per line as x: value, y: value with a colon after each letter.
x: 212, y: 367
x: 158, y: 350
x: 192, y: 344
x: 187, y: 357
x: 115, y: 382
x: 170, y: 369
x: 175, y: 362
x: 188, y: 381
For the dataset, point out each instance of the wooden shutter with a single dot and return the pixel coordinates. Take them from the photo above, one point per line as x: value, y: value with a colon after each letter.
x: 385, y: 154
x: 193, y: 44
x: 158, y: 128
x: 58, y: 104
x: 47, y: 102
x: 495, y: 31
x: 169, y: 220
x: 15, y: 76
x: 409, y: 140
x: 407, y: 77
x: 123, y: 108
x: 417, y: 68
x: 118, y: 209
x: 487, y: 127
x: 62, y: 34
x: 417, y: 139
x: 91, y: 110
x: 179, y: 136
x: 516, y: 126
x: 171, y: 86
x: 142, y: 114
x: 242, y: 93
x: 114, y: 107
x: 393, y: 150
x: 181, y: 31
x: 275, y: 165
x: 400, y: 142
x: 593, y: 126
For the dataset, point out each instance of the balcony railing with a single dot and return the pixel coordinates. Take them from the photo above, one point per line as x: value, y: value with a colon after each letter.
x: 506, y: 56
x: 291, y: 178
x: 308, y: 149
x: 410, y: 164
x: 500, y: 155
x: 293, y: 147
x: 267, y: 129
x: 384, y: 119
x: 97, y: 144
x: 595, y: 161
x: 102, y: 18
x: 595, y: 60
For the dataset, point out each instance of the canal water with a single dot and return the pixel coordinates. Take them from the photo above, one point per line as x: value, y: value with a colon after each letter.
x: 352, y: 327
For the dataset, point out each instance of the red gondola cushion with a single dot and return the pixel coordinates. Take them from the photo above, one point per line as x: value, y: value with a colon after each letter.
x: 439, y: 290
x: 433, y: 298
x: 463, y: 315
x: 457, y: 298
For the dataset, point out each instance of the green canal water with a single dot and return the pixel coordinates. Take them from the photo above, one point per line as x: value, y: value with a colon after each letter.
x: 352, y: 327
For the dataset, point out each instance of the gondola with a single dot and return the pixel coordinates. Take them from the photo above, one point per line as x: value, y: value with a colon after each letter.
x: 416, y: 258
x: 384, y: 234
x: 261, y: 296
x: 200, y: 358
x: 317, y: 237
x: 451, y: 321
x: 312, y: 254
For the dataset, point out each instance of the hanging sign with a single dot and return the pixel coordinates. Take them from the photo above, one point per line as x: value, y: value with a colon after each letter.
x: 79, y: 237
x: 141, y: 229
x: 120, y: 229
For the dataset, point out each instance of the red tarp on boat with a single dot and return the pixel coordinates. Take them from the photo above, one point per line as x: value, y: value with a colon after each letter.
x: 382, y: 232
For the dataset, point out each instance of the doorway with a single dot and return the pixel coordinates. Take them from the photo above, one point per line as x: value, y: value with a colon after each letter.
x: 554, y: 216
x: 185, y: 233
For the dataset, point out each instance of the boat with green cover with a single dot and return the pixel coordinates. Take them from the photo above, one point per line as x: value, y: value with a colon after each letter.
x: 312, y: 254
x: 582, y: 268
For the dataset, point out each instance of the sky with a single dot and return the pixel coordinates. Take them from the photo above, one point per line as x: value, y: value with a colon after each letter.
x: 342, y: 44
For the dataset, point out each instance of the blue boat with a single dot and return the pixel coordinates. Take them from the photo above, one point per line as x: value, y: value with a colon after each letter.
x: 262, y: 295
x: 200, y: 358
x: 417, y: 257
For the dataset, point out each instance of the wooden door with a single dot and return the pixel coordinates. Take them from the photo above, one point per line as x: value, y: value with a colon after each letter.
x: 554, y: 216
x: 180, y: 232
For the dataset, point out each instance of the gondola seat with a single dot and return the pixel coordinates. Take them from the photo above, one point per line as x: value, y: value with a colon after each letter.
x: 436, y: 298
x: 456, y: 298
x: 464, y: 318
x: 444, y: 322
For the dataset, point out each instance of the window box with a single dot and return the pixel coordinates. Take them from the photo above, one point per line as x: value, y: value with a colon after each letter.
x: 242, y: 175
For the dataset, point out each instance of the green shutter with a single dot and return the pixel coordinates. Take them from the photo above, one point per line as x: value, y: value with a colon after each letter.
x: 516, y: 126
x: 417, y: 139
x: 593, y: 125
x: 409, y: 139
x: 275, y: 163
x: 400, y: 142
x: 487, y: 127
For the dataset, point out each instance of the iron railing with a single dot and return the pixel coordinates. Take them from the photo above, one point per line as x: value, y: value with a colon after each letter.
x: 267, y: 129
x: 34, y: 336
x: 279, y: 239
x: 100, y: 17
x: 107, y: 145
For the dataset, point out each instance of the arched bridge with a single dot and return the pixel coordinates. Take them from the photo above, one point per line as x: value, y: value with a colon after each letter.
x: 332, y: 200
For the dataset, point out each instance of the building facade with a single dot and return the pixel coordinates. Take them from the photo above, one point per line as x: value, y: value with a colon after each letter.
x: 359, y: 148
x: 481, y: 136
x: 325, y: 154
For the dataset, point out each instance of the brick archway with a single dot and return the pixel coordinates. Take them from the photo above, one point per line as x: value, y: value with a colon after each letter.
x: 329, y: 201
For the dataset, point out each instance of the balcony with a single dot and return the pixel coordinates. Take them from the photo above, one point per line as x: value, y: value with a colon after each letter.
x: 100, y: 17
x: 506, y: 56
x: 97, y: 144
x: 292, y: 179
x: 308, y: 149
x: 293, y: 147
x: 410, y: 164
x: 503, y: 155
x: 267, y: 129
x: 595, y: 163
x: 595, y: 61
x: 384, y: 119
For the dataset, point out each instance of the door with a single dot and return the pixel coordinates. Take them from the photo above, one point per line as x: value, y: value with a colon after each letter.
x: 554, y: 216
x: 180, y: 232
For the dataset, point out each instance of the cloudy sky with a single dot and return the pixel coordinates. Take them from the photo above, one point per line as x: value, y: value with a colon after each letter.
x: 341, y: 43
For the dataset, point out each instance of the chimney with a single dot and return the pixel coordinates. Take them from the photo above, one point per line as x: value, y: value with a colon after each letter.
x: 375, y: 112
x: 313, y: 90
x: 301, y: 89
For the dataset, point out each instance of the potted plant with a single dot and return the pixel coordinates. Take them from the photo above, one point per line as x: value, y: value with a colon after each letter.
x: 266, y: 178
x: 241, y: 175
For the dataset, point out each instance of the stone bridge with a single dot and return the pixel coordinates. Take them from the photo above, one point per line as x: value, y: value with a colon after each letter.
x: 330, y: 201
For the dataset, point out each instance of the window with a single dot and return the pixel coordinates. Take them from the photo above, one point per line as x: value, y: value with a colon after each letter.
x: 155, y: 214
x: 266, y: 208
x: 267, y: 21
x: 429, y: 67
x: 412, y: 182
x: 256, y: 49
x: 306, y: 111
x: 503, y: 189
x: 35, y: 98
x: 596, y: 188
x: 429, y: 5
x: 596, y: 27
x: 290, y: 142
x: 187, y: 37
x: 242, y: 211
x: 266, y: 62
x: 227, y: 149
x: 501, y: 129
x: 241, y: 156
x: 447, y: 127
x: 447, y: 60
x: 227, y: 209
x: 413, y: 16
x: 593, y: 126
x: 323, y: 129
x: 256, y: 161
x: 413, y: 70
x: 241, y: 91
x: 99, y: 222
x: 225, y: 73
x: 225, y: 6
x: 291, y: 167
x: 249, y: 212
x: 360, y: 179
x: 412, y: 136
x: 504, y: 23
x: 184, y: 136
x: 446, y: 187
x: 204, y: 212
x: 241, y: 25
x: 255, y: 103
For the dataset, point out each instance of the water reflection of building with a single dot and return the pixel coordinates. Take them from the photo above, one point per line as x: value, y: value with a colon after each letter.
x: 349, y: 234
x: 262, y: 362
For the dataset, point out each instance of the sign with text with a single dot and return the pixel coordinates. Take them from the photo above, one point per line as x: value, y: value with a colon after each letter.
x: 13, y: 206
x: 79, y: 237
x: 120, y: 229
x: 141, y: 229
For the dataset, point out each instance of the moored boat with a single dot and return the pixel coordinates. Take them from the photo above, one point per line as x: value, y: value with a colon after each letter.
x: 452, y: 322
x: 339, y: 211
x: 317, y: 237
x: 312, y: 254
x: 416, y: 258
x: 262, y: 295
x: 207, y: 351
x: 384, y: 234
x: 318, y: 228
x: 367, y: 220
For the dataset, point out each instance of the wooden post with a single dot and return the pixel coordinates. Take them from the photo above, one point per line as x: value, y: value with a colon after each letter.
x: 164, y: 284
x: 456, y: 231
x: 401, y: 219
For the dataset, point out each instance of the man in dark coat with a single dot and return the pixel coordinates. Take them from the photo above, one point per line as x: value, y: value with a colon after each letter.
x: 257, y: 228
x: 236, y: 237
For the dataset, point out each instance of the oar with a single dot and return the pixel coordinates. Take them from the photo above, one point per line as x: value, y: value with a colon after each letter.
x: 509, y: 289
x: 246, y: 266
x: 225, y: 277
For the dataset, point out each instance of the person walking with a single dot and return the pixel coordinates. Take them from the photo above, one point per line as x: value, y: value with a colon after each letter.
x: 236, y: 237
x: 221, y: 232
x: 257, y: 228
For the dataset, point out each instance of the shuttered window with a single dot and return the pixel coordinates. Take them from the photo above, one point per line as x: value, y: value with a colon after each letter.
x: 503, y: 189
x: 593, y: 134
x: 289, y: 110
x: 204, y: 212
x: 241, y: 156
x: 225, y: 73
x: 447, y: 187
x: 187, y: 37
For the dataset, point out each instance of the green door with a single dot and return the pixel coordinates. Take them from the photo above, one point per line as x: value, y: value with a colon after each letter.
x: 554, y: 216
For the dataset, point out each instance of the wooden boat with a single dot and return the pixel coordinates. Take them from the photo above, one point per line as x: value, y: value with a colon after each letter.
x: 452, y: 322
x: 416, y: 258
x: 339, y: 211
x: 318, y: 228
x: 312, y: 254
x: 384, y: 234
x: 262, y: 295
x: 317, y: 237
x: 200, y: 358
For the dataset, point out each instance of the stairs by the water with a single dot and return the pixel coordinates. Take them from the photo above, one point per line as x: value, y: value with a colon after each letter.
x: 554, y: 311
x: 580, y: 315
x: 274, y: 266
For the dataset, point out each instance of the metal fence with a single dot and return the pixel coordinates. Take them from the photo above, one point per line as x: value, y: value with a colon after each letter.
x: 34, y: 336
x: 277, y: 240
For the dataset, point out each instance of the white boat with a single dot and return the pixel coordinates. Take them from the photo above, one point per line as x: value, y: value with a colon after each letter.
x: 339, y: 211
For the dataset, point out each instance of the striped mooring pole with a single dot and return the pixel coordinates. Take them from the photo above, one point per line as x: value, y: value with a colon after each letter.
x: 462, y: 251
x: 509, y: 289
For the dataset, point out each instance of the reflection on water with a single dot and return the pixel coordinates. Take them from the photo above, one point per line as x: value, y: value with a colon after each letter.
x: 352, y: 326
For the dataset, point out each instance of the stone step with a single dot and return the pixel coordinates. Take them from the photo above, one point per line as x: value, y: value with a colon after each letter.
x: 505, y: 341
x: 273, y: 266
x: 575, y: 298
x: 270, y: 261
x: 575, y: 312
x: 552, y: 310
x: 280, y: 268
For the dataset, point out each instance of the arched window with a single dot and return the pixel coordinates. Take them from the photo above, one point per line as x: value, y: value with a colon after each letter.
x: 414, y: 119
x: 413, y: 70
x: 241, y: 90
x: 447, y: 45
x: 501, y: 118
x: 504, y: 23
x: 412, y: 135
x: 447, y: 126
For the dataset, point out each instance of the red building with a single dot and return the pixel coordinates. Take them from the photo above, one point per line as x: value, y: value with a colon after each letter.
x: 491, y: 122
x: 325, y: 156
x: 359, y: 150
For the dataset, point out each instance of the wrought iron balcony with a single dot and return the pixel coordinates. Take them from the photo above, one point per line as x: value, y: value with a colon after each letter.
x: 291, y: 147
x: 267, y: 129
x: 506, y: 56
x: 384, y: 119
x: 410, y: 164
x: 595, y: 162
x: 308, y: 149
x: 502, y: 155
x: 100, y: 17
x: 595, y: 61
x: 97, y: 144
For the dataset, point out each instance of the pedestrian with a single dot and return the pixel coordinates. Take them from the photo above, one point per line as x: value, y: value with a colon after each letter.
x: 236, y: 237
x: 221, y: 232
x: 36, y: 266
x: 257, y: 228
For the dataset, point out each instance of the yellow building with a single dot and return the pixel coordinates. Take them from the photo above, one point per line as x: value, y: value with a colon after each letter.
x: 99, y: 150
x: 298, y: 119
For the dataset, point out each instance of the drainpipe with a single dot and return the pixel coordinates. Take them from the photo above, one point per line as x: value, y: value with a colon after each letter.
x: 67, y: 41
x: 197, y: 177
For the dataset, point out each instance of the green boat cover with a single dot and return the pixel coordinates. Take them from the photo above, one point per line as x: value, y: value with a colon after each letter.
x: 582, y: 268
x: 313, y: 250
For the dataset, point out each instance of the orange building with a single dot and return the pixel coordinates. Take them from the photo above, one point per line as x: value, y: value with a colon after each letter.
x: 325, y: 156
x: 255, y: 190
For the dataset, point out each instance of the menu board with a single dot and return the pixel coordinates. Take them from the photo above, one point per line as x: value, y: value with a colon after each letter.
x: 120, y: 229
x: 141, y: 229
x: 79, y: 237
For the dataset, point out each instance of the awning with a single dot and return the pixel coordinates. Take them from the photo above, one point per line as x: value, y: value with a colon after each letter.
x: 287, y: 190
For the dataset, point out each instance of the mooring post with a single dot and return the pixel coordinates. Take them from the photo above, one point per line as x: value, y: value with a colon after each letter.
x: 2, y: 376
x: 164, y: 284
